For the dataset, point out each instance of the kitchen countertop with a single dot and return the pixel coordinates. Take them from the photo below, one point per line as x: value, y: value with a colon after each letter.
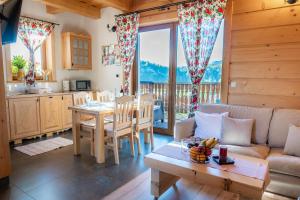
x: 22, y: 95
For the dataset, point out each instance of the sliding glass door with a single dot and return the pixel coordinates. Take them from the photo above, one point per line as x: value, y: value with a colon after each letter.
x: 154, y: 72
x: 161, y: 69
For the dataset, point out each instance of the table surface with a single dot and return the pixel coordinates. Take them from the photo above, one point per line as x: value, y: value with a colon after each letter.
x: 155, y: 160
x: 97, y: 107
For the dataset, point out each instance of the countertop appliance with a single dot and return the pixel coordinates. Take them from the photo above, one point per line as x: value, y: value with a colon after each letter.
x: 80, y: 85
x: 66, y: 85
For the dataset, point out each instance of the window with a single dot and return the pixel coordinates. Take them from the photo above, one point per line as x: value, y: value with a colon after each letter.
x: 17, y: 57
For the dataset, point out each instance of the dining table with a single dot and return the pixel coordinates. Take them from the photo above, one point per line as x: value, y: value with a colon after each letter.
x: 99, y: 111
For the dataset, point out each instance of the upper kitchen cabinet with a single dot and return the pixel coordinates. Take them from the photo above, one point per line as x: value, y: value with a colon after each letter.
x: 76, y: 51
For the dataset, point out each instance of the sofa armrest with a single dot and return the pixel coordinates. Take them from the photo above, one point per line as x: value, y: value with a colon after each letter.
x: 184, y: 129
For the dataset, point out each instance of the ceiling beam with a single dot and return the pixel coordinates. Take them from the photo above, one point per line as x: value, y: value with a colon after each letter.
x: 124, y: 5
x: 53, y: 10
x: 75, y: 6
x: 144, y: 4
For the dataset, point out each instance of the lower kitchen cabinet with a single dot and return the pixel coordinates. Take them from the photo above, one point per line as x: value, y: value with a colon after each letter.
x: 24, y: 117
x: 32, y: 116
x: 51, y: 113
x: 67, y: 114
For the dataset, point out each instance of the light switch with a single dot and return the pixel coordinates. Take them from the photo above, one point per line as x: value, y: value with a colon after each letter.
x: 233, y: 84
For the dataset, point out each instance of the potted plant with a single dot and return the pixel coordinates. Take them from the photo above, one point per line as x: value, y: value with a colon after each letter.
x: 20, y: 63
x: 14, y: 71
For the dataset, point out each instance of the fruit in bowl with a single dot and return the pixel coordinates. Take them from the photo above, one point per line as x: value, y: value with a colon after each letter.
x: 201, y: 152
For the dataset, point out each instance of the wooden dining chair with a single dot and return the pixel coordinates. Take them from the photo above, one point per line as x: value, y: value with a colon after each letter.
x: 87, y: 122
x: 122, y: 125
x: 144, y: 120
x: 105, y: 96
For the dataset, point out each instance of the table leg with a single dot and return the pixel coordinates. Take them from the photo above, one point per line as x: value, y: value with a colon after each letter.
x: 99, y: 139
x: 76, y: 131
x: 161, y: 181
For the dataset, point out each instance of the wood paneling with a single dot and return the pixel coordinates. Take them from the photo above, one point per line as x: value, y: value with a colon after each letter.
x: 284, y: 52
x: 265, y: 62
x: 272, y: 70
x: 265, y: 101
x: 261, y: 36
x: 5, y: 166
x: 242, y: 6
x: 268, y: 18
x: 226, y: 54
x: 280, y: 87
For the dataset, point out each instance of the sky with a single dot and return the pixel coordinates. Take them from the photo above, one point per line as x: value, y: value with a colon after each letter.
x: 154, y: 47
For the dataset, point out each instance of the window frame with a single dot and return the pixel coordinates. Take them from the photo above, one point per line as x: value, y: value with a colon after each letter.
x: 47, y: 55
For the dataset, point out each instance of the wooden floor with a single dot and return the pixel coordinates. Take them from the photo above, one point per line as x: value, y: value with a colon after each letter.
x: 139, y: 189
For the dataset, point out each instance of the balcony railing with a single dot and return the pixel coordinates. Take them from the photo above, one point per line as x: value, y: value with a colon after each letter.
x: 209, y: 93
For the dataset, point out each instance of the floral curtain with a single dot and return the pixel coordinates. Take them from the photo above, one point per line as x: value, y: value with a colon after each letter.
x: 33, y: 32
x: 127, y: 31
x: 199, y: 24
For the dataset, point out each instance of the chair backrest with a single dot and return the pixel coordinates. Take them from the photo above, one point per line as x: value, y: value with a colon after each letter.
x: 105, y: 96
x: 123, y: 114
x: 80, y: 98
x: 145, y: 109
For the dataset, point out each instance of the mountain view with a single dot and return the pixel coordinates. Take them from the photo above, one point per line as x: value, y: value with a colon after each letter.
x: 151, y: 72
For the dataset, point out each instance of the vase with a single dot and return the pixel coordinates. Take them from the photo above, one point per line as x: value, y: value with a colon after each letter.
x: 21, y: 74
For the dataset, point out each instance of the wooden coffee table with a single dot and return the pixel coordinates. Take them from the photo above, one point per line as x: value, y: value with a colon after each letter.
x: 166, y: 170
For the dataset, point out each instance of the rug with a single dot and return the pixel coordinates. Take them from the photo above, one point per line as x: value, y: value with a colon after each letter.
x: 44, y: 146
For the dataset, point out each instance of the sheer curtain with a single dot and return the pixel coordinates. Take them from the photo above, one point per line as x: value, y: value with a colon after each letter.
x: 33, y: 32
x: 199, y: 24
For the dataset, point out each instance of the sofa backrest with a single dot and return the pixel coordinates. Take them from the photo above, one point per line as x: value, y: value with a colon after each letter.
x: 262, y: 117
x: 279, y: 126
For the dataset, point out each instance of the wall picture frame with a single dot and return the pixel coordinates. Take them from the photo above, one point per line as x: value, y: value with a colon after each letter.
x: 111, y: 55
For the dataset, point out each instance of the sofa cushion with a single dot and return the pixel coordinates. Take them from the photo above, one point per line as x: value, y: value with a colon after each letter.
x: 236, y: 131
x: 292, y: 146
x: 279, y: 126
x: 262, y: 117
x: 285, y: 164
x: 257, y: 151
x: 209, y: 125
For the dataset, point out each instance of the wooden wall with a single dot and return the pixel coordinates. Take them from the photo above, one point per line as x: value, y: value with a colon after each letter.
x: 264, y: 67
x: 4, y: 148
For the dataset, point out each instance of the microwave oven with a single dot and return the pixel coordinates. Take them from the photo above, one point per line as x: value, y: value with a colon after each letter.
x: 80, y: 85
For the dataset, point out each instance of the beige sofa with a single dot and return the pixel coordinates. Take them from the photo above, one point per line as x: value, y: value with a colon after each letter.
x: 268, y: 139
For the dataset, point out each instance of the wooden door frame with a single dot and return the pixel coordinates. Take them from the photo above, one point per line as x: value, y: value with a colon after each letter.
x: 172, y: 72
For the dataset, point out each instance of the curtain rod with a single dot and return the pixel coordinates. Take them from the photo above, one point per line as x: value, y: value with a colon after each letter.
x: 41, y: 20
x: 156, y: 8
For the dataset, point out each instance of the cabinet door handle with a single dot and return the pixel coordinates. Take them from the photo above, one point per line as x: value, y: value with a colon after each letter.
x: 50, y: 97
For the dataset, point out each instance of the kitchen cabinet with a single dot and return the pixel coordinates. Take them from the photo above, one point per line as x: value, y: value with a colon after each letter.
x: 51, y: 113
x: 36, y: 115
x: 76, y: 51
x: 67, y: 101
x: 24, y: 117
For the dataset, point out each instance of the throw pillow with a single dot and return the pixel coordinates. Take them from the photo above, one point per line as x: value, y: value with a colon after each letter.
x: 208, y: 125
x: 292, y: 143
x: 236, y: 131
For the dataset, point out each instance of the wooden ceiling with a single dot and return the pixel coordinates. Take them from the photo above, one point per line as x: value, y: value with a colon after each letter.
x: 91, y: 8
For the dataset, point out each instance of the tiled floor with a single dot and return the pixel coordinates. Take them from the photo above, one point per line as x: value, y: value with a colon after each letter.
x: 58, y: 175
